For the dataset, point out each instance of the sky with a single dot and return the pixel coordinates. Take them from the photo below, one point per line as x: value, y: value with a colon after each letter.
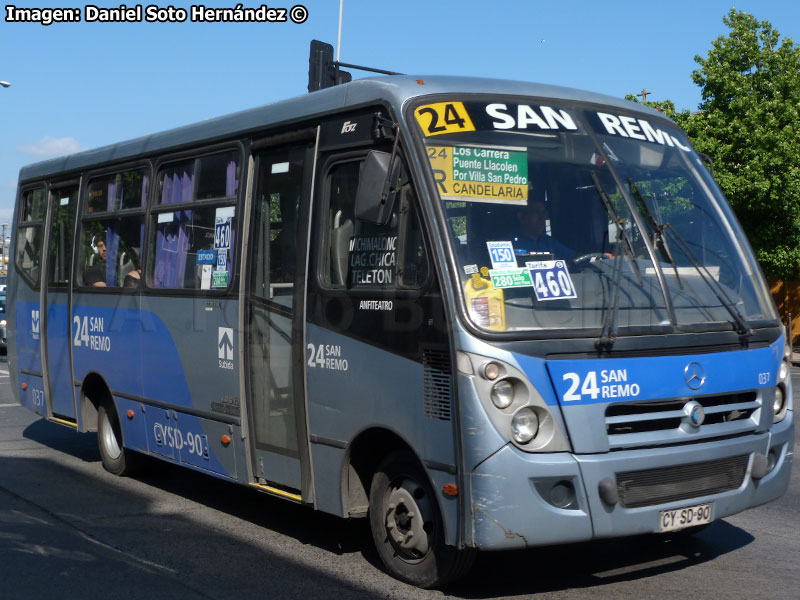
x: 77, y: 86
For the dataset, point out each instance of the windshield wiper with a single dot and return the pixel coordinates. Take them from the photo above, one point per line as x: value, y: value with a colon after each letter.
x: 658, y: 228
x: 665, y: 229
x: 608, y: 334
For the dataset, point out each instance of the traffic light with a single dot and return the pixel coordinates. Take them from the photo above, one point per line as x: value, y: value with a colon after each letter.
x: 323, y: 71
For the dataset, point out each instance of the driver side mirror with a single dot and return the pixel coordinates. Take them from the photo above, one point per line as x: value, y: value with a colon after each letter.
x: 377, y: 188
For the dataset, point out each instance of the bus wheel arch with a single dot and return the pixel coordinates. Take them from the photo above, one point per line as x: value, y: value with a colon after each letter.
x: 94, y: 392
x: 99, y: 413
x: 386, y: 477
x: 364, y: 454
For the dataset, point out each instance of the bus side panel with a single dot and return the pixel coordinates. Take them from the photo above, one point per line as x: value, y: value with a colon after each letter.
x: 32, y: 397
x: 27, y: 337
x: 353, y: 386
x: 163, y: 360
x: 133, y: 421
x: 58, y: 343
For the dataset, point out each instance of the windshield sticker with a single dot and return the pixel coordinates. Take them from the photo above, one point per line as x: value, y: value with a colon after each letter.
x: 443, y: 117
x: 481, y: 173
x: 637, y: 129
x: 502, y: 255
x: 219, y: 279
x: 485, y: 302
x: 205, y: 277
x: 470, y: 269
x: 511, y: 278
x: 551, y: 280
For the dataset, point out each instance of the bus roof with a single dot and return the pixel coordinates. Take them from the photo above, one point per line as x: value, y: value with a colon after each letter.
x: 396, y: 90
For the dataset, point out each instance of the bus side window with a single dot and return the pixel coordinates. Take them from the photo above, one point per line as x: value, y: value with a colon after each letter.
x: 276, y: 213
x: 112, y: 230
x: 366, y: 255
x: 62, y: 227
x: 342, y: 186
x: 195, y: 223
x: 29, y: 235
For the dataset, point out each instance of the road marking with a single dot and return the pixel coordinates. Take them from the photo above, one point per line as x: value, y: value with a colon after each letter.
x: 8, y: 405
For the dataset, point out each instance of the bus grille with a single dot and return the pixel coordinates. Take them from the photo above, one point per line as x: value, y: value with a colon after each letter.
x: 682, y: 482
x: 632, y: 424
x: 437, y: 383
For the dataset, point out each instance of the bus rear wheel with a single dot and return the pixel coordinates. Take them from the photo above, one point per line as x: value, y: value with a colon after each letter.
x: 116, y: 458
x: 407, y: 527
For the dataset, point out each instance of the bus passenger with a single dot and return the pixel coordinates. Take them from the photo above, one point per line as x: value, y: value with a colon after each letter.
x: 96, y: 274
x: 133, y: 278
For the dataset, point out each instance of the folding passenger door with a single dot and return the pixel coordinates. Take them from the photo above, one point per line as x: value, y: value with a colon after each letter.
x: 273, y: 316
x: 56, y: 319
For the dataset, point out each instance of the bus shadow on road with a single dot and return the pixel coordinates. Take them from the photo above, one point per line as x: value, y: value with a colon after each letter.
x: 72, y: 533
x: 596, y: 563
x: 63, y: 439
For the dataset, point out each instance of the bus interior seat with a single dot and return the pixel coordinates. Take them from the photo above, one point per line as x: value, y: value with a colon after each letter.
x: 340, y: 245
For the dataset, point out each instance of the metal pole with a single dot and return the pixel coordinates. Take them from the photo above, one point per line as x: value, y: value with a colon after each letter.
x: 339, y: 37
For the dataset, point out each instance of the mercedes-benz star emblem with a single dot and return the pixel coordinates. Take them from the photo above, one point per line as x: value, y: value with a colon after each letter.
x: 694, y: 410
x: 694, y: 375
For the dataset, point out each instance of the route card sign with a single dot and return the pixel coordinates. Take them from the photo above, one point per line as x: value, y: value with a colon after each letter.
x: 474, y: 173
x: 551, y: 280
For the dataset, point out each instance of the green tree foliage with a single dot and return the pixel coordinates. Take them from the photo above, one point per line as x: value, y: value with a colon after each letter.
x: 750, y: 125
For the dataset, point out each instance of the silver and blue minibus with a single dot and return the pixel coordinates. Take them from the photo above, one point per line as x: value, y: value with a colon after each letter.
x: 481, y: 314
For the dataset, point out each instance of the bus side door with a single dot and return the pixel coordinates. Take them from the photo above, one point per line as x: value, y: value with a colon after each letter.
x: 56, y: 318
x: 273, y: 321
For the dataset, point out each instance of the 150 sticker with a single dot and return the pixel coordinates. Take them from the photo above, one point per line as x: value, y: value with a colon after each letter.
x: 326, y: 356
x: 613, y: 383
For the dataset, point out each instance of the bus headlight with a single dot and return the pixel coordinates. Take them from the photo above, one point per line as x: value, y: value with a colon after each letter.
x: 777, y: 404
x: 784, y: 370
x: 3, y: 323
x: 502, y: 394
x: 524, y: 425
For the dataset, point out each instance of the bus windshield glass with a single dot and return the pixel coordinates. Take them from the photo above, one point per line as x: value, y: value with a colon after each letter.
x: 584, y: 219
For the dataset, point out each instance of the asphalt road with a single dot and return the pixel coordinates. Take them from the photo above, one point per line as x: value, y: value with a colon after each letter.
x: 69, y: 530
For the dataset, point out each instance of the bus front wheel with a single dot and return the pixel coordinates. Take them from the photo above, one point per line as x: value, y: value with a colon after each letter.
x: 116, y: 458
x: 407, y: 527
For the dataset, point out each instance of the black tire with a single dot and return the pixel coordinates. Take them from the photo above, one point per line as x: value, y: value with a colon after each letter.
x: 116, y: 459
x: 407, y: 526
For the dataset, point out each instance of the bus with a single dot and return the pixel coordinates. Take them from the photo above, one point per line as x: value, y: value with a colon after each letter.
x: 481, y: 314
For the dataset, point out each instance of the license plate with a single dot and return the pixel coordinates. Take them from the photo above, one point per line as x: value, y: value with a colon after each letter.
x: 671, y: 520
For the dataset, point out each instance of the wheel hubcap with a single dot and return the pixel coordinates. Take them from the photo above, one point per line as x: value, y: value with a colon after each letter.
x: 409, y: 520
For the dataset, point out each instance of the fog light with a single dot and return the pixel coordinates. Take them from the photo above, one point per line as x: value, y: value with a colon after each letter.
x: 502, y: 394
x: 780, y: 400
x: 524, y: 425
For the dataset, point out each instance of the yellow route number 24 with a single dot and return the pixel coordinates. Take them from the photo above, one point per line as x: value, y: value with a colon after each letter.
x: 443, y: 117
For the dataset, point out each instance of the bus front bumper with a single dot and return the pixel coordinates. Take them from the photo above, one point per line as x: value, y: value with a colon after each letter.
x: 521, y: 499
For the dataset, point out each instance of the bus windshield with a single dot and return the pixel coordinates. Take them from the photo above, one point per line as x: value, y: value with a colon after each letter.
x: 576, y: 219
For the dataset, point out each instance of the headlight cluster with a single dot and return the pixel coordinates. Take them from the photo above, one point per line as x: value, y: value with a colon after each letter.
x: 514, y: 405
x: 780, y: 405
x: 524, y: 425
